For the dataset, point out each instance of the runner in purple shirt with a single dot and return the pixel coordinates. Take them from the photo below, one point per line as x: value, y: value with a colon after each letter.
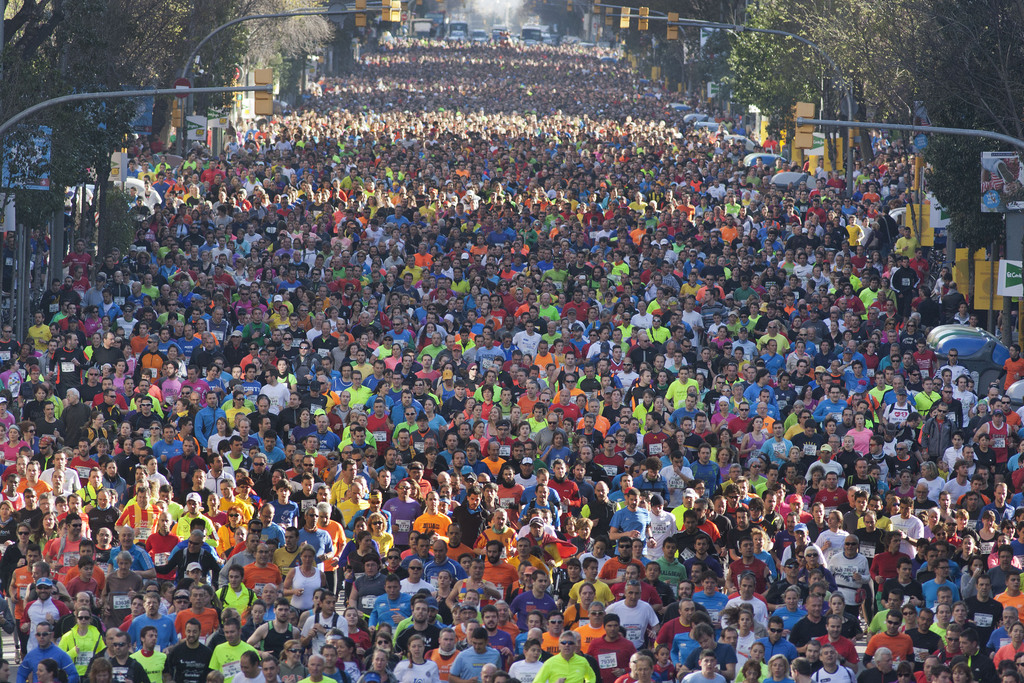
x: 537, y: 599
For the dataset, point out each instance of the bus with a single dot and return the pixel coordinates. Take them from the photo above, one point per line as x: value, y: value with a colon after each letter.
x: 458, y: 30
x: 532, y: 35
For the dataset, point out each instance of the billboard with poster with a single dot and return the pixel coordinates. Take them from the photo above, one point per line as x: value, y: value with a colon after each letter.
x: 1002, y: 187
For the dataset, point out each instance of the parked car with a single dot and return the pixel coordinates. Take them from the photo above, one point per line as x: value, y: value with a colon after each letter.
x: 793, y: 179
x: 982, y: 353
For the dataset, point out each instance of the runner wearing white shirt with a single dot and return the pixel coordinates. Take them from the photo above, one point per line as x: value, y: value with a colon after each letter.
x: 832, y: 671
x: 910, y: 525
x: 663, y: 526
x: 637, y: 617
x: 678, y: 477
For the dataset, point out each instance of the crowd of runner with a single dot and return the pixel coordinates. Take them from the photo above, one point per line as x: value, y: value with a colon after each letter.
x: 485, y: 368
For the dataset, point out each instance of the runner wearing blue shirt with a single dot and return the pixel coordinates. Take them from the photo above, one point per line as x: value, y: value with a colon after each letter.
x: 774, y: 643
x: 470, y: 662
x: 391, y: 607
x: 632, y: 520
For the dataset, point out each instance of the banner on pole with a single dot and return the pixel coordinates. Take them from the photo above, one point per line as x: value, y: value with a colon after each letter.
x: 7, y: 212
x: 1010, y: 282
x: 196, y: 126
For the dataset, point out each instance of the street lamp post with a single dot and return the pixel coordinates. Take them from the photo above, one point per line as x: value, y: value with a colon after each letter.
x: 24, y: 271
x: 186, y: 69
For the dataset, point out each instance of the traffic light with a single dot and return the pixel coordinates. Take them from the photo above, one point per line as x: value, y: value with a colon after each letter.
x: 360, y: 5
x: 392, y: 11
x: 263, y: 102
x: 178, y: 114
x: 673, y: 31
x: 804, y: 138
x: 624, y: 19
x: 608, y: 16
x: 568, y: 6
x: 360, y: 20
x: 644, y: 13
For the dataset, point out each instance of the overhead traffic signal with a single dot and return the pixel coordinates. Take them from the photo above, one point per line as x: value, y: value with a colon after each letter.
x: 624, y: 18
x: 673, y: 31
x: 177, y: 114
x: 644, y: 13
x: 804, y: 138
x: 263, y: 102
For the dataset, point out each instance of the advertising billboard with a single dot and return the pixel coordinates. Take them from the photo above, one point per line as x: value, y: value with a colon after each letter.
x: 1002, y: 188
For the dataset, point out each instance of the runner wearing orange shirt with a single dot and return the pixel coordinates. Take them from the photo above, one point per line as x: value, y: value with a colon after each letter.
x: 432, y: 520
x: 445, y: 654
x: 200, y: 610
x: 262, y: 571
x: 496, y: 570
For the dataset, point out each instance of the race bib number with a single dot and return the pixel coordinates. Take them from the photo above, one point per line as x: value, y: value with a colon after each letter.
x: 54, y: 308
x: 161, y: 558
x: 983, y: 620
x: 607, y: 660
x: 779, y: 448
x: 504, y: 451
x: 634, y: 634
x: 122, y: 602
x: 83, y: 472
x: 610, y: 470
x: 999, y: 442
x: 506, y: 503
x: 24, y: 593
x: 867, y: 550
x: 366, y: 602
x: 83, y: 658
x: 119, y: 300
x: 713, y: 613
x: 5, y: 356
x: 403, y: 526
x: 920, y: 654
x: 258, y: 588
x: 323, y: 352
x: 231, y: 670
x: 380, y: 437
x: 810, y: 449
x: 306, y: 504
x: 70, y: 559
x: 141, y: 534
x: 65, y: 366
x: 655, y: 449
x: 103, y: 567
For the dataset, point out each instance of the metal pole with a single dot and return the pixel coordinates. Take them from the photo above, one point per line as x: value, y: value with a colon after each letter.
x: 992, y: 261
x: 21, y: 283
x: 301, y: 12
x: 927, y: 130
x: 120, y: 94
